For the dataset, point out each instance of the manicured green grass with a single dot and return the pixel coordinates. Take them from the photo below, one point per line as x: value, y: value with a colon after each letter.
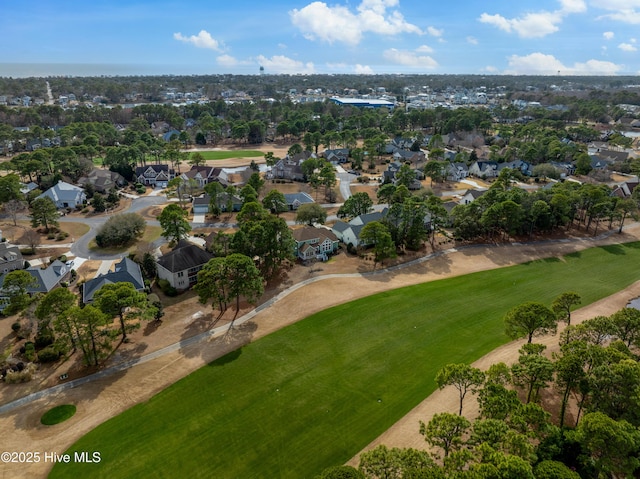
x: 315, y: 393
x: 58, y: 414
x: 225, y: 155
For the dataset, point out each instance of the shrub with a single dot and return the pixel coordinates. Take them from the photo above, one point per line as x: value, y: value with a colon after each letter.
x: 51, y: 236
x: 30, y: 351
x: 15, y: 327
x: 63, y: 258
x: 22, y: 375
x: 48, y: 354
x: 44, y: 338
x: 120, y: 230
x: 166, y: 288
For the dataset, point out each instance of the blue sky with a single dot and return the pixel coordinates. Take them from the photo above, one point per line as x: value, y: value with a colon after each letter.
x: 301, y: 36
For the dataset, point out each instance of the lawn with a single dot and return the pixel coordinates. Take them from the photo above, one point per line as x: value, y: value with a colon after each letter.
x: 315, y: 393
x: 225, y: 155
x: 58, y: 414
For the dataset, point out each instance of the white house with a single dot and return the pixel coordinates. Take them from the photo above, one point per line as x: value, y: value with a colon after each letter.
x: 181, y: 265
x: 65, y: 195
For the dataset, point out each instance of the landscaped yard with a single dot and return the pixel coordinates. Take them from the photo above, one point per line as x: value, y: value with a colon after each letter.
x: 315, y: 393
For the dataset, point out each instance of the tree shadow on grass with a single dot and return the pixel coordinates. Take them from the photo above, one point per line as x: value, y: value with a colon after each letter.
x: 227, y: 358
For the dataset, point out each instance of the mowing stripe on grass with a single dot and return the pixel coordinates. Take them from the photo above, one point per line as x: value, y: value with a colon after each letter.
x: 315, y: 393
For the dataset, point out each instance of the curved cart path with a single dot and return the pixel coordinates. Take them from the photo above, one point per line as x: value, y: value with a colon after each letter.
x: 103, y: 398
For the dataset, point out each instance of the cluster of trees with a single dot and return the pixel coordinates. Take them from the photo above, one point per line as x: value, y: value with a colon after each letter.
x: 225, y: 279
x: 595, y: 375
x: 65, y: 327
x: 505, y: 210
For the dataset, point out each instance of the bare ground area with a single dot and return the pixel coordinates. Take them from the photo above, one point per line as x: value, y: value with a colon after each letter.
x: 104, y: 398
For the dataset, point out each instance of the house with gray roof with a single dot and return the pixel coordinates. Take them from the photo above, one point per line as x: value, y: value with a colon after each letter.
x: 181, y: 265
x: 103, y: 181
x: 349, y: 233
x: 10, y: 258
x: 295, y: 200
x: 65, y: 195
x: 155, y: 175
x: 126, y: 271
x: 484, y: 169
x: 45, y: 279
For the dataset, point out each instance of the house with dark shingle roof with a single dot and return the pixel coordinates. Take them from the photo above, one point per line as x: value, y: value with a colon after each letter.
x: 314, y: 242
x: 126, y: 271
x: 102, y: 181
x: 155, y: 175
x: 181, y: 265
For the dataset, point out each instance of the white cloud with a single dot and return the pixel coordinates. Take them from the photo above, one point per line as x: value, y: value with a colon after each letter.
x: 532, y: 25
x: 363, y: 70
x: 282, y: 64
x: 541, y: 64
x: 608, y: 35
x: 424, y: 49
x: 490, y: 69
x: 625, y: 11
x: 573, y: 6
x: 472, y: 40
x: 409, y: 58
x: 319, y: 21
x: 201, y: 40
x: 535, y: 24
x: 627, y: 47
x: 435, y: 32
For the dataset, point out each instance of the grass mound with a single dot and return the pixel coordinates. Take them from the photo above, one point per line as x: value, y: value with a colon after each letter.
x: 58, y: 414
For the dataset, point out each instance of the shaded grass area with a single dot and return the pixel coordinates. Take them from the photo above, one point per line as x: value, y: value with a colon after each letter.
x: 315, y: 393
x: 58, y: 414
x: 225, y: 155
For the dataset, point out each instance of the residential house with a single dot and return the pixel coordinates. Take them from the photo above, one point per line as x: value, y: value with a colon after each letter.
x: 65, y: 195
x: 295, y: 200
x: 522, y: 166
x: 181, y: 265
x: 103, y: 181
x: 10, y: 258
x: 204, y: 175
x: 625, y: 190
x: 289, y: 168
x: 484, y: 169
x: 223, y: 202
x: 470, y: 196
x: 598, y: 163
x: 155, y: 175
x: 406, y: 156
x: 398, y: 144
x: 565, y: 168
x: 28, y: 187
x: 315, y: 243
x: 336, y: 156
x: 172, y: 134
x: 349, y: 233
x: 389, y: 176
x: 126, y: 271
x: 200, y: 204
x: 45, y: 279
x: 456, y: 171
